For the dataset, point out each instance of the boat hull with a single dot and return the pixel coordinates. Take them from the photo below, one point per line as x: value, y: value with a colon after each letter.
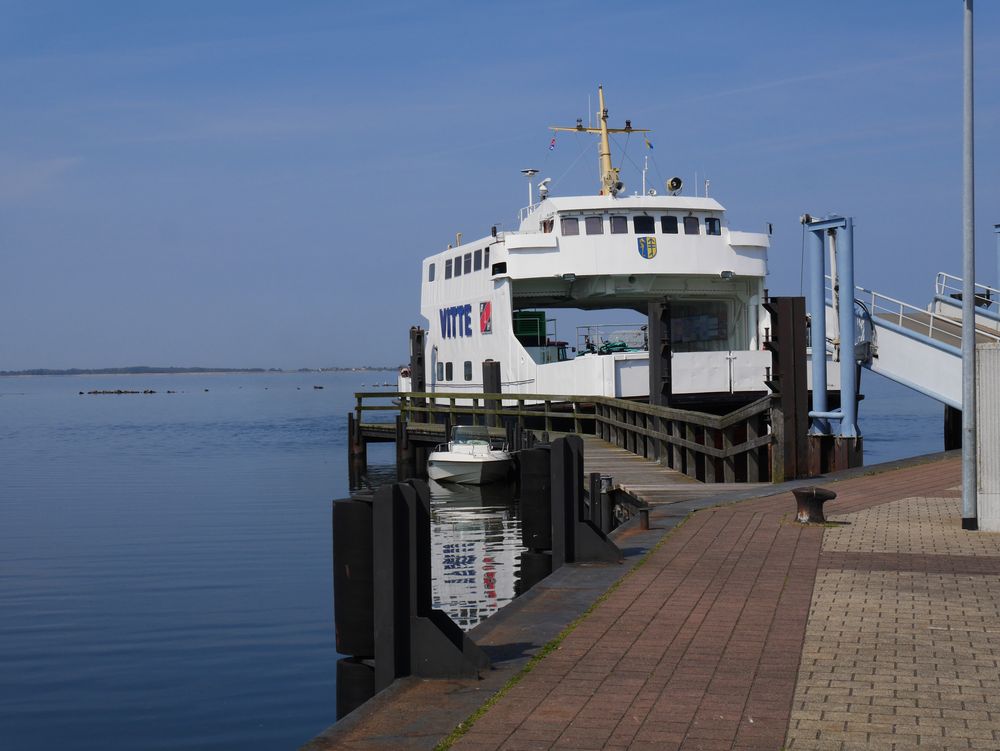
x: 446, y: 466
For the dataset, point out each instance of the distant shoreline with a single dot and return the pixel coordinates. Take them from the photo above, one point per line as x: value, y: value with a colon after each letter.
x: 147, y: 370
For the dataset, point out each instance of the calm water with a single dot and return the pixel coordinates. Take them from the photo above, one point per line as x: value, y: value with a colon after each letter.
x: 165, y: 559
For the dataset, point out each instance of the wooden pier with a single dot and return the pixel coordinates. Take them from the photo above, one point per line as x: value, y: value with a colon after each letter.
x: 649, y: 450
x: 646, y: 481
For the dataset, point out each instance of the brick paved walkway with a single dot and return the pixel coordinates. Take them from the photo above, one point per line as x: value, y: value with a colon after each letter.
x: 700, y: 648
x: 903, y: 643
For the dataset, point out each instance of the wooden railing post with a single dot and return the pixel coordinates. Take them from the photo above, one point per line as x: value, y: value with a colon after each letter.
x: 729, y: 462
x: 708, y: 438
x: 690, y: 467
x: 755, y: 429
x: 777, y: 442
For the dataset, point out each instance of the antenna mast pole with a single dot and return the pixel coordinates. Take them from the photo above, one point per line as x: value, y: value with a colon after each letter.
x: 610, y: 184
x: 609, y: 175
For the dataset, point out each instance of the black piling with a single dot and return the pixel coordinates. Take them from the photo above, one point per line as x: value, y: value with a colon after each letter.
x: 554, y: 523
x: 574, y: 538
x: 491, y: 385
x: 536, y: 516
x: 353, y: 603
x: 383, y: 610
x: 952, y: 428
x: 790, y: 410
x: 406, y: 452
x: 357, y: 452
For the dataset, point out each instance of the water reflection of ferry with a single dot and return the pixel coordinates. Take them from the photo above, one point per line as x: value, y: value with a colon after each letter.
x: 476, y: 544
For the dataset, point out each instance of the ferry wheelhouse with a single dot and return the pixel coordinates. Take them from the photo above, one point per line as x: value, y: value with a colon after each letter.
x: 492, y: 298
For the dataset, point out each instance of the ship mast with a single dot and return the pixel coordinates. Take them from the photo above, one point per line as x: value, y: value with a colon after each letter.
x: 611, y: 184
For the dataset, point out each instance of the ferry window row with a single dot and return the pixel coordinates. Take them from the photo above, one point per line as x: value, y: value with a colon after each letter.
x: 465, y: 264
x: 445, y: 372
x: 641, y: 225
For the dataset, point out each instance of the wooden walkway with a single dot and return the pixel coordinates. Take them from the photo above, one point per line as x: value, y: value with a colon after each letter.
x: 646, y: 480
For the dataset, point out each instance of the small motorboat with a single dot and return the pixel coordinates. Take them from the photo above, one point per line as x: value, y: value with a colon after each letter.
x: 471, y: 457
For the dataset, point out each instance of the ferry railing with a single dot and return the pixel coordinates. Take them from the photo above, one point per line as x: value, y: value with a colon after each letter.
x: 523, y: 213
x: 950, y: 287
x: 712, y: 448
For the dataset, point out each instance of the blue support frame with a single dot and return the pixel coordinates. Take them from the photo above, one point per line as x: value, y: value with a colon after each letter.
x: 817, y: 330
x: 843, y: 229
x: 848, y: 365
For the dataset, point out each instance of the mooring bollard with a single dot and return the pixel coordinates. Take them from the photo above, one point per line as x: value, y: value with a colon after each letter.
x: 810, y: 503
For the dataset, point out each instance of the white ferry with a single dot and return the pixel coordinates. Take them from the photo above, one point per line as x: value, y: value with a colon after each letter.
x: 495, y: 297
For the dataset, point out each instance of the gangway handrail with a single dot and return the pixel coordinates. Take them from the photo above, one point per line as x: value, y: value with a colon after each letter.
x: 947, y: 285
x: 926, y: 322
x: 984, y: 312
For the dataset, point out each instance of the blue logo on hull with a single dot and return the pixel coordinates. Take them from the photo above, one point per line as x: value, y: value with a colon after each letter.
x: 456, y: 321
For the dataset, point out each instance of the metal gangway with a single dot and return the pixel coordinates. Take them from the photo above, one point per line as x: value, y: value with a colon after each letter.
x: 920, y: 348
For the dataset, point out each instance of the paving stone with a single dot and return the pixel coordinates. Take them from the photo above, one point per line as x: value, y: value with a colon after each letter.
x: 905, y: 610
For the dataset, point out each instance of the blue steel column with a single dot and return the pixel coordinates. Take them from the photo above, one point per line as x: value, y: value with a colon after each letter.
x: 848, y: 366
x: 817, y: 338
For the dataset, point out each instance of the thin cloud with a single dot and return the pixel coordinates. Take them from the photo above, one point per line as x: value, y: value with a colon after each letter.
x: 19, y: 179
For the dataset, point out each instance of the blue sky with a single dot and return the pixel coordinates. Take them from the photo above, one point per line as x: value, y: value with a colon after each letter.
x: 254, y: 184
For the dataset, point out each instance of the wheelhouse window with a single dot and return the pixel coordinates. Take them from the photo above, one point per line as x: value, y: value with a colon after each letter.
x: 468, y: 263
x: 619, y: 225
x: 644, y: 225
x: 440, y: 371
x: 547, y: 225
x: 447, y: 269
x: 691, y: 225
x: 477, y: 260
x: 486, y: 258
x: 595, y: 225
x: 713, y: 226
x: 668, y: 225
x: 430, y: 273
x: 468, y: 370
x: 569, y: 225
x: 449, y: 374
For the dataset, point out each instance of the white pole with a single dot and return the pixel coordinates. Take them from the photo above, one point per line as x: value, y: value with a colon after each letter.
x: 969, y: 511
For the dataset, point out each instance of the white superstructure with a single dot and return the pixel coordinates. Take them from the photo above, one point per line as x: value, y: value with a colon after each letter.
x: 490, y: 298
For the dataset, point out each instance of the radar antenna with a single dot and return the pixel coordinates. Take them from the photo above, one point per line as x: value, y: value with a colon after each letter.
x: 611, y: 183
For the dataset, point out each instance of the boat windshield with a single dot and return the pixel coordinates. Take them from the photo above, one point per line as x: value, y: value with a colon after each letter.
x: 477, y: 434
